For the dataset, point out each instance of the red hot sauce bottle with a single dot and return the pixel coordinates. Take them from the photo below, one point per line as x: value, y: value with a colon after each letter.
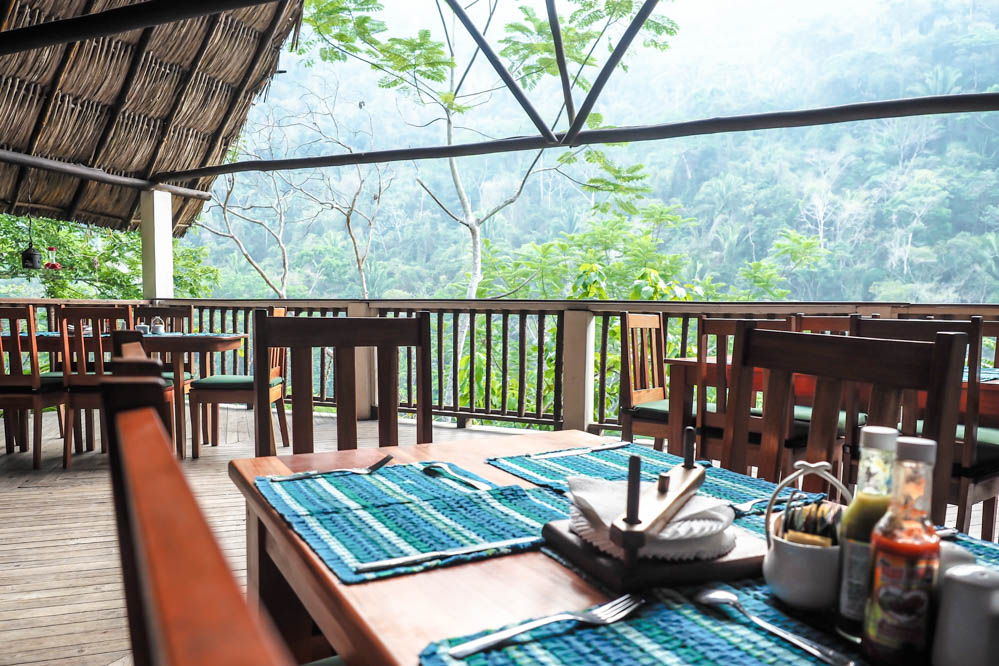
x: 905, y: 556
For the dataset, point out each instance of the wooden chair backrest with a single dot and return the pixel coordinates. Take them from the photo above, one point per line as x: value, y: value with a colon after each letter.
x: 77, y: 348
x: 831, y: 324
x: 345, y: 335
x: 183, y: 604
x: 925, y: 330
x: 643, y: 359
x: 127, y: 343
x: 716, y: 375
x: 889, y: 366
x: 176, y: 318
x: 16, y: 321
x: 278, y: 356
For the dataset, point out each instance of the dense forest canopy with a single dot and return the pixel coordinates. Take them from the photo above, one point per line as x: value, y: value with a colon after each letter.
x: 902, y: 209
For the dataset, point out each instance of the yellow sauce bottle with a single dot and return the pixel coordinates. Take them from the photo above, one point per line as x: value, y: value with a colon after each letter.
x: 870, y: 501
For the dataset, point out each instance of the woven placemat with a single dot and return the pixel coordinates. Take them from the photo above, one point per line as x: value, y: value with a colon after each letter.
x: 351, y: 519
x: 668, y: 629
x: 343, y: 491
x: 613, y: 465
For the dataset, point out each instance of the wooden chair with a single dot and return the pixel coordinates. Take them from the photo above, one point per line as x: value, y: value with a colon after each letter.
x: 889, y: 366
x: 227, y: 389
x: 644, y: 408
x: 183, y: 604
x: 976, y: 466
x: 85, y: 366
x: 345, y: 335
x: 717, y: 334
x: 176, y: 319
x: 24, y: 388
x: 130, y: 359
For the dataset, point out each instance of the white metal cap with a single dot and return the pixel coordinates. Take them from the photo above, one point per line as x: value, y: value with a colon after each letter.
x: 916, y: 448
x: 878, y: 437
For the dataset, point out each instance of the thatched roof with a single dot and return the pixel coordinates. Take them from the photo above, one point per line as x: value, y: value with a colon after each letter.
x: 169, y: 97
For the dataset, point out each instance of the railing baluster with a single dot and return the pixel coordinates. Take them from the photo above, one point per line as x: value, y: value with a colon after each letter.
x: 455, y: 359
x: 471, y: 360
x: 505, y: 360
x: 410, y: 399
x: 559, y: 354
x: 540, y: 381
x: 522, y: 359
x: 489, y: 362
x: 602, y: 376
x: 440, y: 359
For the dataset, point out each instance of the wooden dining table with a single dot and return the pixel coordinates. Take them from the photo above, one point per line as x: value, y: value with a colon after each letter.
x: 178, y: 345
x: 390, y: 620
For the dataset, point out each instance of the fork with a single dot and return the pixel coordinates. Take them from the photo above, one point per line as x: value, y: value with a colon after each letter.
x: 608, y: 613
x: 370, y: 469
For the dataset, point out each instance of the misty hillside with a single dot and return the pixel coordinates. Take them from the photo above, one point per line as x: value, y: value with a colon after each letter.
x: 904, y: 209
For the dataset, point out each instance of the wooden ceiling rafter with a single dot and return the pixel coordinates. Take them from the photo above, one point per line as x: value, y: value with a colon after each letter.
x: 178, y: 101
x: 108, y: 113
x: 69, y: 52
x: 141, y: 48
x: 121, y: 19
x: 265, y: 43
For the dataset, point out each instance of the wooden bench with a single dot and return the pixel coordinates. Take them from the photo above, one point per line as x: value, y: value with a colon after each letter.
x: 184, y: 607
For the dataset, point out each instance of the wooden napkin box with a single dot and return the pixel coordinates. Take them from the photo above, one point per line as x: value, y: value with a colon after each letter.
x: 743, y: 561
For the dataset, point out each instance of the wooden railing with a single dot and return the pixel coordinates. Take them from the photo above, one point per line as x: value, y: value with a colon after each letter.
x: 535, y: 363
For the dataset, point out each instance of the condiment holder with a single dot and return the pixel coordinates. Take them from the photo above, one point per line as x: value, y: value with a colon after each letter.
x: 801, y: 575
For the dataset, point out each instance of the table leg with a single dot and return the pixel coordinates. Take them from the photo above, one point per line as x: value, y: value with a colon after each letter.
x: 266, y: 586
x: 180, y: 437
x: 681, y: 401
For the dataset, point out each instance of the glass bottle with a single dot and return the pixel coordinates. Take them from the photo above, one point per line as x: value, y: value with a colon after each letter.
x: 870, y: 502
x: 905, y: 557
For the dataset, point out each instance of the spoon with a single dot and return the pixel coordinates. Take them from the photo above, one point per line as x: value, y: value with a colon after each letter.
x: 443, y: 469
x: 713, y: 596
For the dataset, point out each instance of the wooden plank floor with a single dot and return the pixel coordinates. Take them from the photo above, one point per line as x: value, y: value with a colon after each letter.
x: 60, y: 586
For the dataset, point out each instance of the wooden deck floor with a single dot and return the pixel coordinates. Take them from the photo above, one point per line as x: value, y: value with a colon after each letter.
x: 60, y: 586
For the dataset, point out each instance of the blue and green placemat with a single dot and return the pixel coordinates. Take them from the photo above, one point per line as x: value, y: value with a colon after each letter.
x: 668, y: 629
x: 613, y: 465
x: 351, y: 519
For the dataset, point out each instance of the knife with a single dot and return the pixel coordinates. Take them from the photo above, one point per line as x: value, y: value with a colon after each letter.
x: 578, y: 452
x: 405, y: 560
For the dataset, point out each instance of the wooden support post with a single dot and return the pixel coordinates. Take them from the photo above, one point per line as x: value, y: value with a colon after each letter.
x: 577, y: 369
x: 364, y: 374
x: 157, y: 244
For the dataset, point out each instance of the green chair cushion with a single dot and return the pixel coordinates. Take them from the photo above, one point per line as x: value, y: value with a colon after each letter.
x: 229, y: 382
x: 654, y: 410
x: 986, y: 452
x: 168, y: 374
x: 50, y: 381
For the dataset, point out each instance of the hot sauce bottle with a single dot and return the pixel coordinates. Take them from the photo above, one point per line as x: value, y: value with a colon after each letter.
x: 905, y: 556
x: 870, y: 502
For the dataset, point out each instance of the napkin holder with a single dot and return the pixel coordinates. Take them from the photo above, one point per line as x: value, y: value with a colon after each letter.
x: 645, y: 516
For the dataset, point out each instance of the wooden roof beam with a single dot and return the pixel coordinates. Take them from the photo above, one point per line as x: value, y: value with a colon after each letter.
x: 503, y: 72
x: 96, y: 175
x: 605, y: 72
x: 898, y: 108
x: 563, y: 69
x: 130, y: 17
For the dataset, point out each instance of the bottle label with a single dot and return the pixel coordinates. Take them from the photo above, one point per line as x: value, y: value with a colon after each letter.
x: 899, y: 606
x: 855, y: 580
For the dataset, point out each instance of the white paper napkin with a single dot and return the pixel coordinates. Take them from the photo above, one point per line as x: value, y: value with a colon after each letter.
x: 699, y: 531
